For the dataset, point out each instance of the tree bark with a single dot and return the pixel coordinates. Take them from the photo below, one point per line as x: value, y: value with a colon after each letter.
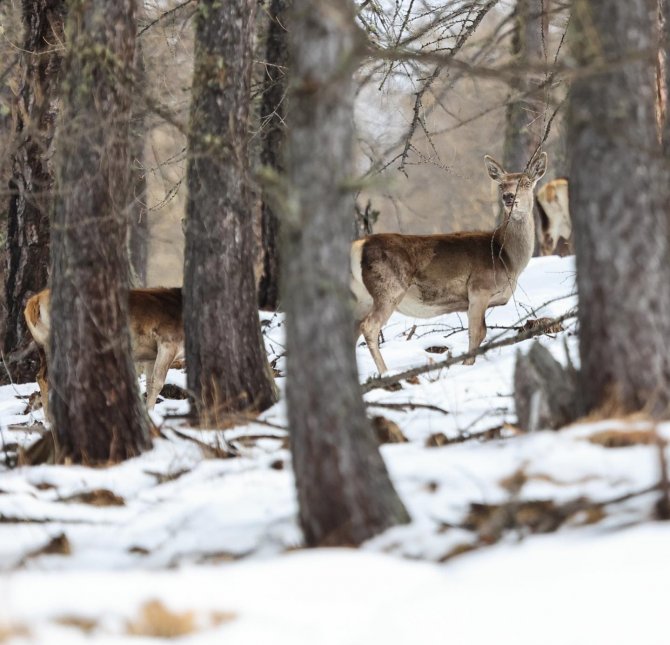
x: 344, y: 491
x: 31, y: 184
x: 225, y: 357
x: 138, y: 242
x: 97, y: 413
x: 618, y: 202
x: 524, y: 123
x: 273, y: 135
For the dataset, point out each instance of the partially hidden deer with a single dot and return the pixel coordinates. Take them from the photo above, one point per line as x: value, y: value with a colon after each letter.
x: 555, y: 234
x: 156, y: 333
x: 428, y: 275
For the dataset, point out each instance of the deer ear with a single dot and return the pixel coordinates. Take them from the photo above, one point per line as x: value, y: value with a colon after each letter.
x: 495, y: 170
x: 537, y: 167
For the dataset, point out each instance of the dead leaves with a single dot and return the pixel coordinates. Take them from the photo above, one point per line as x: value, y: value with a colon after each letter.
x: 387, y: 431
x: 154, y: 620
x: 97, y: 497
x: 624, y: 438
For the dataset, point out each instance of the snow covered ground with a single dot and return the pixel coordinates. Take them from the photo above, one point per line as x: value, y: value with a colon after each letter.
x: 541, y: 538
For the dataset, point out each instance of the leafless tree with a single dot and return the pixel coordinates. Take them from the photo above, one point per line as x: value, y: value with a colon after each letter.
x: 618, y: 201
x: 344, y: 491
x: 31, y: 184
x: 138, y: 243
x: 273, y: 115
x: 525, y: 125
x: 225, y: 357
x: 97, y: 413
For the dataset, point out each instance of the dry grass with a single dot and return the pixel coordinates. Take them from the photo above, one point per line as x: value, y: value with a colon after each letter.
x: 155, y: 620
x: 97, y: 497
x: 86, y: 625
x: 9, y: 631
x: 623, y: 438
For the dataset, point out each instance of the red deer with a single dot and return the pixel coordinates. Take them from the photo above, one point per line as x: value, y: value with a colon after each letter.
x: 429, y: 275
x: 156, y: 332
x: 555, y: 234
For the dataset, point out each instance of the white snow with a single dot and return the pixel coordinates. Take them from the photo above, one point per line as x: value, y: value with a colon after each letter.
x: 205, y: 534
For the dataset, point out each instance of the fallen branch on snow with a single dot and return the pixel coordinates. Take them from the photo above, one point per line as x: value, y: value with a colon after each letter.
x: 384, y: 381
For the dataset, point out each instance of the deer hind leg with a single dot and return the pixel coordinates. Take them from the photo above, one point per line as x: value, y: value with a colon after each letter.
x: 156, y: 379
x: 476, y: 322
x: 42, y: 381
x: 371, y: 325
x: 146, y: 368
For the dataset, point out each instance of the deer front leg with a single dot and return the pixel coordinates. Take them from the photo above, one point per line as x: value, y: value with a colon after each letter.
x: 477, y: 303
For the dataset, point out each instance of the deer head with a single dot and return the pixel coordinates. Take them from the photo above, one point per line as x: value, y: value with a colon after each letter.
x: 516, y: 189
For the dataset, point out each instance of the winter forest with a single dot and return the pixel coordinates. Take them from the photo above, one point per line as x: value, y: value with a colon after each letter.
x: 330, y: 322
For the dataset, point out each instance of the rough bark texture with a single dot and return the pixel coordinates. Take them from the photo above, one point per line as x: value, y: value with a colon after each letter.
x: 138, y: 241
x: 344, y: 491
x: 524, y: 113
x: 225, y: 357
x: 663, y: 75
x: 97, y: 413
x: 273, y: 111
x: 618, y: 202
x: 31, y: 184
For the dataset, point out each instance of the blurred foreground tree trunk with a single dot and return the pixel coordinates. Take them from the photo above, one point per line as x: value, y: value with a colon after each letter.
x: 273, y: 135
x: 663, y: 76
x: 618, y: 201
x: 225, y: 356
x: 31, y: 184
x: 344, y: 490
x: 94, y: 399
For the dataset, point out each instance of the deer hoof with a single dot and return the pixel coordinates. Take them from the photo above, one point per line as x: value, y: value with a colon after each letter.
x: 469, y: 361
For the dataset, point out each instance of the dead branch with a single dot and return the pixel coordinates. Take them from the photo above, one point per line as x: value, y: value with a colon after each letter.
x: 405, y: 405
x: 384, y: 381
x: 164, y: 15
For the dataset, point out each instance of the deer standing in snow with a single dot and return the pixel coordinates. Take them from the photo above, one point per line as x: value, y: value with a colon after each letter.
x: 156, y: 333
x: 429, y: 275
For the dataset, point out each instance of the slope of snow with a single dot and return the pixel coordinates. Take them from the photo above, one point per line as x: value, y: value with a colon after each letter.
x: 212, y: 535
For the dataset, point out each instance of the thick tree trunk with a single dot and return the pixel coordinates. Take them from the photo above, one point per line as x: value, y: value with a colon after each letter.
x: 225, y: 357
x: 97, y: 413
x: 524, y: 113
x: 273, y: 113
x: 344, y: 491
x: 618, y: 202
x: 138, y: 242
x: 31, y: 184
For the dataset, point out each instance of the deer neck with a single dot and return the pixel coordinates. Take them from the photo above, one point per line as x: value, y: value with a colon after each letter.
x: 517, y: 241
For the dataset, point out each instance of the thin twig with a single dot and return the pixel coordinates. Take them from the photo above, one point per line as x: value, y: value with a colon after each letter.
x: 164, y: 15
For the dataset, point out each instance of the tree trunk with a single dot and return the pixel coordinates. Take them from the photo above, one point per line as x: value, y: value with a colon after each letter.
x: 273, y: 113
x: 31, y: 184
x: 225, y: 357
x: 97, y: 413
x: 618, y: 202
x: 344, y: 491
x: 663, y: 75
x: 524, y: 123
x: 138, y: 242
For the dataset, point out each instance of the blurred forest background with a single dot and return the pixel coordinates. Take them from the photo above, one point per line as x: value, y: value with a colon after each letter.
x: 439, y: 185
